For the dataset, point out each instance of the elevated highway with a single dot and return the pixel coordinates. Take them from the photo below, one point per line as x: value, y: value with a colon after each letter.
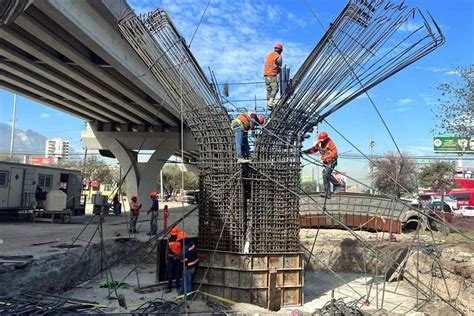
x: 70, y: 56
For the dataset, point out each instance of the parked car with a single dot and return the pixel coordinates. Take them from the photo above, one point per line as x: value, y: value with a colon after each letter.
x: 191, y: 197
x: 467, y: 211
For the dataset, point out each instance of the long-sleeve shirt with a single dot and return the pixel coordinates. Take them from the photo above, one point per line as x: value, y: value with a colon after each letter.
x: 328, y: 151
x: 154, y: 206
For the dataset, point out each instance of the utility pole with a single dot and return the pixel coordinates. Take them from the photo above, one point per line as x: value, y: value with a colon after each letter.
x: 371, y: 155
x: 12, y: 139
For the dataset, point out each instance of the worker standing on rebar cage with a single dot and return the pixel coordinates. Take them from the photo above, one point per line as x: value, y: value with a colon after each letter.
x: 134, y: 213
x: 174, y: 264
x: 154, y: 213
x: 190, y: 261
x: 270, y: 73
x: 241, y: 125
x: 326, y: 147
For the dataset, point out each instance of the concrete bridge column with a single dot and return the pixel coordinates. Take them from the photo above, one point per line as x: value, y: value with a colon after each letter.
x: 149, y: 172
x: 141, y: 177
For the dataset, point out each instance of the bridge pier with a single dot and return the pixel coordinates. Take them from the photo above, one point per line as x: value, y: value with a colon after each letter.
x: 141, y: 176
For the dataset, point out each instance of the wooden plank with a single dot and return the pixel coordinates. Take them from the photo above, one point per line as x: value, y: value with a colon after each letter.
x: 274, y: 294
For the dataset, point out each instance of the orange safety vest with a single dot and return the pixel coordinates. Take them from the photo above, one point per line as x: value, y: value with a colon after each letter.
x: 134, y: 208
x: 328, y: 153
x: 245, y: 120
x: 271, y: 66
x: 175, y: 248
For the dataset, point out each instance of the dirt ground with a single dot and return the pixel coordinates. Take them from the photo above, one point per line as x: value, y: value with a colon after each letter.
x: 438, y: 263
x: 441, y: 266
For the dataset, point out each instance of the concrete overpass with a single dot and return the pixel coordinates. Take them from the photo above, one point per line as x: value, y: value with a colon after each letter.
x: 70, y: 56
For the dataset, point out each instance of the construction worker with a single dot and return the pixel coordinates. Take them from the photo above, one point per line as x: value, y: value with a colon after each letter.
x: 134, y: 213
x: 326, y: 147
x: 190, y: 258
x: 174, y: 262
x: 241, y: 125
x: 154, y: 213
x: 270, y: 73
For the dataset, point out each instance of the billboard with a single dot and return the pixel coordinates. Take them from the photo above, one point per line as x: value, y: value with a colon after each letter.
x: 41, y: 160
x: 453, y: 144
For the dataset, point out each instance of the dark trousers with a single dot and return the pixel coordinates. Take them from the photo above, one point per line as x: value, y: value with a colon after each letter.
x: 329, y: 178
x: 174, y: 273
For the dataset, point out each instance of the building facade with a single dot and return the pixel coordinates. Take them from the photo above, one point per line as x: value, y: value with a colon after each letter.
x: 57, y: 148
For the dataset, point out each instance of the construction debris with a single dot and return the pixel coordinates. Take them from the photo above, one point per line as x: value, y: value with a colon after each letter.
x: 39, y: 303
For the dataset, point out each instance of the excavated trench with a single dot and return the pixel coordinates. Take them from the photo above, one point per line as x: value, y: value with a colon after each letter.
x: 59, y: 272
x: 447, y: 268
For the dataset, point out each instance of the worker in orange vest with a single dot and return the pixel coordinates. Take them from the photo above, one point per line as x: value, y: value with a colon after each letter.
x: 326, y: 147
x: 174, y: 263
x: 134, y: 213
x: 270, y: 73
x: 241, y: 125
x: 190, y: 259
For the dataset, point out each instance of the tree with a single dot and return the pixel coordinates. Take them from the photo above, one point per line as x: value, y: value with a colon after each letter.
x: 437, y: 175
x: 390, y: 167
x: 455, y: 111
x: 9, y: 158
x: 172, y: 179
x: 95, y: 169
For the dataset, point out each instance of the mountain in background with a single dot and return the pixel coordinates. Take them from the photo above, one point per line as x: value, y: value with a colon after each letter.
x: 26, y: 142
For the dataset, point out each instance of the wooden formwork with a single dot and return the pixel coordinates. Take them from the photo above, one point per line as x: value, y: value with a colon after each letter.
x: 353, y: 210
x: 246, y: 278
x: 363, y: 221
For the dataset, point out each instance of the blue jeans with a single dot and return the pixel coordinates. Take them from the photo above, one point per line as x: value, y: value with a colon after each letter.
x: 153, y: 223
x: 187, y: 281
x: 329, y: 178
x: 242, y: 148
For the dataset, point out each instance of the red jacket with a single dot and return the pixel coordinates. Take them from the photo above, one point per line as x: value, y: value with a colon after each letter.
x: 328, y: 152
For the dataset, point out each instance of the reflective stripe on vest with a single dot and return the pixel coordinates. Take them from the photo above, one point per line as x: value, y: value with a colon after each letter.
x: 192, y: 263
x: 271, y: 67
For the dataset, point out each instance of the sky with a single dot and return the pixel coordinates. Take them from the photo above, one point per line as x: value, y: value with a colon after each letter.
x: 235, y: 36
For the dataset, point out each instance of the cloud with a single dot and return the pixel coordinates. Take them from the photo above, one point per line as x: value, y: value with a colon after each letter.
x: 45, y: 115
x: 445, y: 71
x: 429, y: 100
x: 452, y: 72
x: 233, y: 40
x: 409, y: 26
x: 432, y: 69
x: 402, y: 109
x: 405, y: 101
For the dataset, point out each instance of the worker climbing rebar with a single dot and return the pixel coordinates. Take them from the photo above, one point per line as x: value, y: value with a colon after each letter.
x: 271, y: 70
x: 241, y: 125
x: 326, y: 147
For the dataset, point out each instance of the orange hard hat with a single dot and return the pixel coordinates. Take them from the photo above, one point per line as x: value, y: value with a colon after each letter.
x: 175, y: 231
x: 181, y: 236
x: 133, y: 198
x: 279, y: 46
x: 323, y: 136
x: 153, y: 194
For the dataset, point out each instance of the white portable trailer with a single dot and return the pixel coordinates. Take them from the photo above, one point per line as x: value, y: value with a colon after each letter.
x: 18, y: 184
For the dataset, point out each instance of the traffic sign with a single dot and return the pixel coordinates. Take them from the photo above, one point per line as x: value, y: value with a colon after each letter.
x: 453, y: 144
